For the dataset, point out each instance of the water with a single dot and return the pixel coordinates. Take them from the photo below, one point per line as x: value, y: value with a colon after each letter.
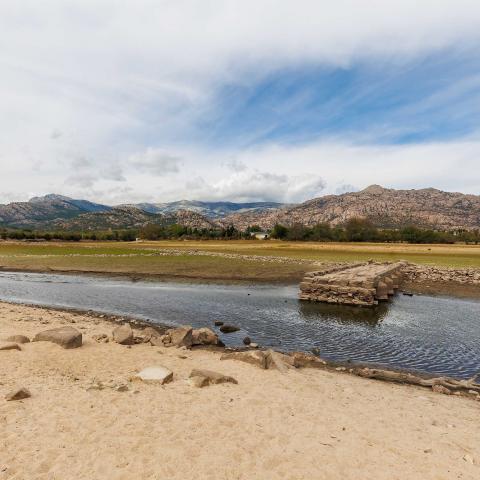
x: 433, y: 334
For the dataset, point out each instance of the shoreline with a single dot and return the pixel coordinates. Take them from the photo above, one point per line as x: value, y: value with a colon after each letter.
x: 320, y: 423
x: 347, y: 367
x: 451, y: 289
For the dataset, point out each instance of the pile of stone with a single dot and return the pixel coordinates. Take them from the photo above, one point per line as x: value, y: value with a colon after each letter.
x: 426, y: 273
x: 362, y: 284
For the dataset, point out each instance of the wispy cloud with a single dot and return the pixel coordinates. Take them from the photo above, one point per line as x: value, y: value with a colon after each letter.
x: 97, y: 95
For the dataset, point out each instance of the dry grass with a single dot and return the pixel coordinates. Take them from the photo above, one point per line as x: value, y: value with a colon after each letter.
x: 249, y: 263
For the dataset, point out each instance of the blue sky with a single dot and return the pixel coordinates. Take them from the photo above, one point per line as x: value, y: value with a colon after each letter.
x: 229, y: 100
x: 433, y: 98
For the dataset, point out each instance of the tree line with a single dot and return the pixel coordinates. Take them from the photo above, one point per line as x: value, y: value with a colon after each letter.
x: 354, y: 230
x: 362, y: 230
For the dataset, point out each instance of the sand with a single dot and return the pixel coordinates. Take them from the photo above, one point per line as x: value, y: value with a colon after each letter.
x: 304, y: 424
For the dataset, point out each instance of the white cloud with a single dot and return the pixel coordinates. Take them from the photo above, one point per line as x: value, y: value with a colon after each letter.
x: 248, y: 185
x: 156, y: 162
x: 117, y: 86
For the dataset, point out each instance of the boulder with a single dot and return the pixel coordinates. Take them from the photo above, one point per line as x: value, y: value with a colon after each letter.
x: 204, y: 336
x: 157, y: 374
x: 247, y: 341
x: 266, y: 360
x: 254, y: 357
x: 302, y: 360
x: 66, y: 337
x: 18, y: 339
x: 9, y: 346
x: 123, y: 334
x: 149, y: 333
x: 218, y: 323
x: 229, y: 329
x: 161, y: 341
x: 202, y: 378
x: 179, y: 337
x: 278, y: 361
x: 17, y: 394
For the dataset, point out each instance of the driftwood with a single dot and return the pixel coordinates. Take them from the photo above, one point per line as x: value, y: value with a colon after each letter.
x: 451, y: 384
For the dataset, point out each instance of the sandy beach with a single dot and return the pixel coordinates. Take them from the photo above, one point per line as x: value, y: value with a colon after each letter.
x: 303, y: 424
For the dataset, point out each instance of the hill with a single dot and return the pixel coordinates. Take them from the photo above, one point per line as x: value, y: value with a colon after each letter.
x: 130, y: 217
x: 41, y: 210
x: 387, y: 208
x: 212, y: 210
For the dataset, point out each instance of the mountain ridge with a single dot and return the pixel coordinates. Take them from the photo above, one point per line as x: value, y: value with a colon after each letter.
x: 384, y: 207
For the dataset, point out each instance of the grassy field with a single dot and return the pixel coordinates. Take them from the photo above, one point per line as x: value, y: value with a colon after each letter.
x: 254, y: 260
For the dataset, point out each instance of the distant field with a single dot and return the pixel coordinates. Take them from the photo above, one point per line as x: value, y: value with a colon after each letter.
x: 253, y: 260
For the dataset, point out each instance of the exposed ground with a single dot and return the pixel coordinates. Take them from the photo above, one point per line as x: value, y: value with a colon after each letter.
x: 235, y: 261
x: 216, y: 260
x: 303, y: 424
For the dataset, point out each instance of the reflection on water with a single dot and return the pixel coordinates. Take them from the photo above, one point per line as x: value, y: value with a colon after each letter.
x: 438, y: 335
x: 344, y: 314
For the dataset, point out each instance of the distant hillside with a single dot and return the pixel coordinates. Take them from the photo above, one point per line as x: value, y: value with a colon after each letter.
x: 212, y: 210
x: 387, y: 208
x: 130, y: 217
x: 40, y: 210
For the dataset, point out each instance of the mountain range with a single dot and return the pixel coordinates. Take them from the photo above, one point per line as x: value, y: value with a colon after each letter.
x: 386, y: 208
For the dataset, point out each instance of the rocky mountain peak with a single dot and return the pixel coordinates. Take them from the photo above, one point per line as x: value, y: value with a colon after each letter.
x: 375, y: 190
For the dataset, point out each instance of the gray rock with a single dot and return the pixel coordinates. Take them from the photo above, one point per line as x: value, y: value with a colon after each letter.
x: 204, y: 336
x: 66, y: 337
x: 149, y: 333
x: 123, y: 335
x: 229, y: 329
x: 18, y: 394
x: 266, y: 360
x: 156, y: 374
x: 247, y: 341
x: 180, y: 337
x: 254, y: 357
x: 202, y: 378
x: 18, y: 339
x: 218, y: 323
x: 9, y: 346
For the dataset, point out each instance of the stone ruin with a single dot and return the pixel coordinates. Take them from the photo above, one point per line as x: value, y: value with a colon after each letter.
x: 363, y: 284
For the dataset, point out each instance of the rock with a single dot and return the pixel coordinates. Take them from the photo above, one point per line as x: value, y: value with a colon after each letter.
x: 229, y: 329
x: 18, y: 339
x: 121, y: 388
x: 278, y: 361
x: 218, y: 323
x: 149, y: 333
x: 441, y: 389
x: 204, y: 336
x: 302, y: 360
x: 266, y: 360
x: 18, y: 394
x: 123, y: 334
x: 468, y: 458
x: 254, y: 357
x: 159, y: 341
x: 198, y: 382
x: 158, y: 374
x: 253, y: 345
x: 66, y: 337
x: 179, y: 337
x: 9, y: 346
x: 202, y: 378
x: 247, y: 341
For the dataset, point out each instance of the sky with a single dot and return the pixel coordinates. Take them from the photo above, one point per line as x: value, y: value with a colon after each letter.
x: 241, y: 100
